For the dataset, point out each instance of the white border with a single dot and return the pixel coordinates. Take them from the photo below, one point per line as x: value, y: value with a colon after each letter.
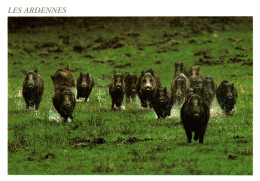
x: 129, y: 8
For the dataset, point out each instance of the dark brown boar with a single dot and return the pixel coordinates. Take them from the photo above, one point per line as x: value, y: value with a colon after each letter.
x: 117, y: 90
x: 195, y: 70
x: 33, y: 87
x: 162, y: 102
x: 179, y: 88
x: 130, y: 86
x: 210, y: 89
x: 179, y: 68
x: 195, y: 117
x: 196, y: 81
x: 64, y: 102
x: 85, y: 83
x: 62, y: 78
x: 227, y: 96
x: 147, y: 83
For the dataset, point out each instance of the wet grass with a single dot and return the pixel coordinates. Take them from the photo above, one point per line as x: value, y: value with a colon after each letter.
x: 130, y: 141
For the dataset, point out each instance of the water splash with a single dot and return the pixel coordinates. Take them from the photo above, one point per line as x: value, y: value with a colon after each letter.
x: 215, y: 110
x: 54, y: 116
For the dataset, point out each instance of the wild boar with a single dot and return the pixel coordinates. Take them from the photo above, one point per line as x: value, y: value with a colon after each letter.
x: 195, y: 117
x: 162, y: 102
x: 179, y: 88
x: 147, y: 83
x: 85, y: 83
x: 33, y: 87
x: 196, y: 81
x: 226, y: 96
x: 180, y: 68
x: 210, y: 89
x: 62, y: 78
x: 117, y: 90
x: 130, y: 86
x: 195, y: 70
x: 64, y: 102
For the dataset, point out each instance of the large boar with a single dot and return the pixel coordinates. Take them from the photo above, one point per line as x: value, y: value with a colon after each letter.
x: 179, y: 88
x: 64, y: 102
x: 210, y: 89
x: 162, y: 102
x: 130, y: 86
x: 33, y: 87
x: 85, y: 83
x: 180, y: 68
x: 227, y: 96
x: 117, y: 90
x: 146, y: 85
x: 62, y: 78
x: 195, y: 117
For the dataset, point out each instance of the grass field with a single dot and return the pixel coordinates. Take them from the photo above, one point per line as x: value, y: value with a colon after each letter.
x: 130, y: 141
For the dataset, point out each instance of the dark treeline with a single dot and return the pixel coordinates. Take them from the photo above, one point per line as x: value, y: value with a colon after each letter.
x: 208, y: 23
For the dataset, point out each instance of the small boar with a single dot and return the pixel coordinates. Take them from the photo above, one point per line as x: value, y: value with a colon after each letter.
x: 227, y: 96
x: 195, y: 117
x: 147, y: 83
x: 196, y: 81
x: 179, y: 87
x: 195, y: 70
x: 33, y: 87
x: 64, y: 102
x: 210, y: 89
x: 117, y: 90
x: 62, y: 78
x: 130, y: 86
x: 85, y: 83
x: 180, y: 68
x: 162, y: 102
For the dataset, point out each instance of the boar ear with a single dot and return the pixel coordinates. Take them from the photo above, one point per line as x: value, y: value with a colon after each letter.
x: 142, y: 73
x: 87, y: 74
x: 164, y: 89
x: 80, y: 74
x: 35, y: 70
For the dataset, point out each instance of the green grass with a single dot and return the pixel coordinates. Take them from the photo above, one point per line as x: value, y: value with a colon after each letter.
x: 37, y: 144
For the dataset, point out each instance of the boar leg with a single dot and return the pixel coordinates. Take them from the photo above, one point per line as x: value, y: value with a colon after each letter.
x: 87, y: 95
x: 202, y: 133
x: 127, y: 99
x: 133, y: 97
x: 143, y: 104
x: 113, y: 104
x: 188, y: 134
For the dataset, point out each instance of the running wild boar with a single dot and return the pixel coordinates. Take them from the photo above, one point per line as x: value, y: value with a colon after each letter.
x: 33, y: 87
x: 146, y: 85
x: 64, y: 102
x: 179, y: 68
x: 195, y: 117
x: 130, y: 86
x: 117, y: 90
x: 85, y: 83
x: 227, y: 96
x: 162, y: 102
x: 179, y: 88
x: 210, y: 89
x: 63, y: 78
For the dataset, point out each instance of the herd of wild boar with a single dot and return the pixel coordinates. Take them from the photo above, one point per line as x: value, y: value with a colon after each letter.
x: 189, y: 89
